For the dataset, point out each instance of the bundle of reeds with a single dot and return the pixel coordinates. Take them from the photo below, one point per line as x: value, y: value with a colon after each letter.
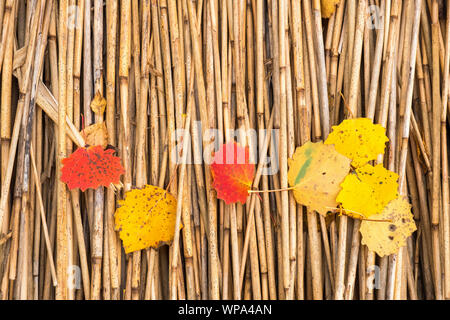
x: 277, y: 67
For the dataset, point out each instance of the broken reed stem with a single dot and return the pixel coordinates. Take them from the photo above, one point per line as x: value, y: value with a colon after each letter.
x: 43, y: 219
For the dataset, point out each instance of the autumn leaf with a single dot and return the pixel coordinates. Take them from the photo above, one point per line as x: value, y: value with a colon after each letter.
x: 328, y: 7
x: 96, y: 135
x: 146, y: 218
x: 368, y: 190
x: 358, y: 139
x: 232, y: 173
x: 98, y: 104
x: 385, y: 238
x: 316, y: 171
x: 91, y: 167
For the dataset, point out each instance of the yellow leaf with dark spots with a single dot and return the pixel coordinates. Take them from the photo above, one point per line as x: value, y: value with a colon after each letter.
x: 385, y: 238
x: 146, y: 218
x: 359, y: 139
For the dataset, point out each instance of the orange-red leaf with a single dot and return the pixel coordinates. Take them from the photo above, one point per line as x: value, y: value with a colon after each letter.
x: 91, y: 167
x: 232, y: 172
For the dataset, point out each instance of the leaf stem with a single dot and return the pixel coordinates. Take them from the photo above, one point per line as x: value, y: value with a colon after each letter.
x: 274, y: 190
x: 359, y: 217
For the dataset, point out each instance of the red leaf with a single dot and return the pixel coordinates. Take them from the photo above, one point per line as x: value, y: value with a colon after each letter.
x: 91, y: 167
x: 233, y: 174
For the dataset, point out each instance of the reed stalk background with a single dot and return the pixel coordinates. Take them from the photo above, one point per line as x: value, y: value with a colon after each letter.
x: 164, y: 65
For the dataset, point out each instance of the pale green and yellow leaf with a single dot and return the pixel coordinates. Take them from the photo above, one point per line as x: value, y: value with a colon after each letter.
x: 316, y: 171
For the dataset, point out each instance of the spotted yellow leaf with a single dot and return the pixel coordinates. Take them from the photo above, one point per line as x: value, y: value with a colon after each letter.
x: 368, y: 190
x: 385, y: 238
x: 359, y: 139
x: 146, y: 218
x: 316, y: 171
x: 98, y: 104
x: 328, y: 7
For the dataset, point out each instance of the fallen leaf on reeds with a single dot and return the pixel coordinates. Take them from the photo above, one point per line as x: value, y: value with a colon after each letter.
x: 90, y: 168
x: 232, y: 172
x: 146, y: 218
x: 316, y: 171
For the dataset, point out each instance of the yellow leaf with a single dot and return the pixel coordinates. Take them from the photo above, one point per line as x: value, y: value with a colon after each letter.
x: 146, y: 218
x: 98, y: 104
x: 328, y: 7
x: 96, y: 135
x: 359, y: 139
x: 385, y: 238
x: 369, y: 190
x: 316, y: 171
